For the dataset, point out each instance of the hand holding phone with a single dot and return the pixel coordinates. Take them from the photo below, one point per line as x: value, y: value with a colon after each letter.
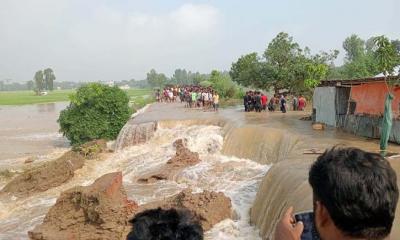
x: 287, y: 228
x: 309, y: 231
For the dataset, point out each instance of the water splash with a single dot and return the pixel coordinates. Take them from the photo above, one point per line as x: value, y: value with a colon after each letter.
x: 133, y: 134
x: 237, y: 178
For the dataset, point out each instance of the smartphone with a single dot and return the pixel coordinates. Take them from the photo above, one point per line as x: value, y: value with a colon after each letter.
x: 309, y: 232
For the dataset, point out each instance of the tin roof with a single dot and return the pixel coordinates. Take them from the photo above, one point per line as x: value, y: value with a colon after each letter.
x: 350, y: 82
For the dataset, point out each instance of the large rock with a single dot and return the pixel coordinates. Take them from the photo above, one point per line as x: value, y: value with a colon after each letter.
x: 54, y: 173
x: 98, y: 211
x: 208, y: 207
x: 132, y: 134
x: 182, y: 159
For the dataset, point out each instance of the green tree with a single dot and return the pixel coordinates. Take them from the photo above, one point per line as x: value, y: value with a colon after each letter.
x: 396, y: 44
x: 248, y: 71
x: 197, y: 78
x: 96, y: 111
x: 156, y: 79
x: 315, y: 72
x: 282, y: 55
x: 223, y: 84
x: 283, y: 66
x: 39, y: 82
x: 180, y: 77
x: 354, y: 47
x: 49, y: 78
x: 386, y: 56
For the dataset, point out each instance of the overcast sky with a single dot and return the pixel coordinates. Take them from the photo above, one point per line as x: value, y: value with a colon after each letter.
x: 90, y: 40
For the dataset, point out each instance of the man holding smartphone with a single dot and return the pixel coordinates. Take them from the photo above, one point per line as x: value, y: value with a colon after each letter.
x: 355, y: 195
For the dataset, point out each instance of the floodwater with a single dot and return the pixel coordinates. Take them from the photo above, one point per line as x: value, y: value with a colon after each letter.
x: 238, y: 151
x: 30, y: 131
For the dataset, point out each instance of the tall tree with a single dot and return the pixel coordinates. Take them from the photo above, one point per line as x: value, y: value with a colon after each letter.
x: 156, y: 79
x: 360, y: 61
x: 39, y: 82
x: 282, y: 55
x: 247, y: 71
x: 386, y: 56
x: 355, y: 47
x: 180, y: 76
x: 197, y: 78
x: 49, y: 78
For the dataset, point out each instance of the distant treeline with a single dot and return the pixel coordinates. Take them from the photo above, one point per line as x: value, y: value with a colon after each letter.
x: 180, y: 77
x: 29, y: 85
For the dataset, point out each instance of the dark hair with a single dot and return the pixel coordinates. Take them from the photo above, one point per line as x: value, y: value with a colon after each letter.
x: 359, y: 190
x: 159, y: 224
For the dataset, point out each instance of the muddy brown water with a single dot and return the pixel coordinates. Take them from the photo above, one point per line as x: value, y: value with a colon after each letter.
x: 279, y: 139
x: 254, y: 158
x: 30, y: 130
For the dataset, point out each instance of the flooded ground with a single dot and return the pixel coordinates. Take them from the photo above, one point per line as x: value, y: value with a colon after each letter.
x: 30, y: 131
x: 237, y: 150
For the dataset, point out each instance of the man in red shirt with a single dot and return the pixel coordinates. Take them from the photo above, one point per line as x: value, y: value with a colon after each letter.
x: 264, y: 100
x: 302, y: 103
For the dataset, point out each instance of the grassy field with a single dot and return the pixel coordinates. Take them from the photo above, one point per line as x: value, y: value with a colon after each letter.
x: 29, y: 97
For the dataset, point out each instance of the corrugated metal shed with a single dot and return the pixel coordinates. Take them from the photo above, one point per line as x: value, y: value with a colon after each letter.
x: 324, y: 100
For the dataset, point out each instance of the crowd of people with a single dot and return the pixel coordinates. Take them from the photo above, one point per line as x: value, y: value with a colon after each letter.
x: 193, y: 96
x: 258, y: 101
x: 207, y: 98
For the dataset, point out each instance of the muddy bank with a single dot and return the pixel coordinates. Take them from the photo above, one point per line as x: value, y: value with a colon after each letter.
x: 54, y: 173
x: 208, y: 207
x: 183, y: 158
x: 98, y: 211
x: 102, y: 211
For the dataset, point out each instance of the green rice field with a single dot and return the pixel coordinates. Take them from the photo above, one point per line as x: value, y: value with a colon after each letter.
x: 29, y: 97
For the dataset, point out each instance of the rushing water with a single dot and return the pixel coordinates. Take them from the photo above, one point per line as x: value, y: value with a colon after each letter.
x: 237, y: 178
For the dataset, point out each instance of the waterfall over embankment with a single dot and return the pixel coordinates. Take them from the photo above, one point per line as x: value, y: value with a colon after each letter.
x: 286, y: 182
x: 263, y: 145
x: 132, y: 134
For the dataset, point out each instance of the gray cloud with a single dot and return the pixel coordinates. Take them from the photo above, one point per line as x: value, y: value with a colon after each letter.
x: 103, y: 43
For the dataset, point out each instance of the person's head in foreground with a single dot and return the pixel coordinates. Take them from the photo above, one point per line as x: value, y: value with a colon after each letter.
x: 159, y: 224
x: 355, y: 195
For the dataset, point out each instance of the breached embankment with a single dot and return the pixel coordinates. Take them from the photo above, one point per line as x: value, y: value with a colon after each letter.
x: 222, y: 146
x: 102, y: 209
x: 286, y: 183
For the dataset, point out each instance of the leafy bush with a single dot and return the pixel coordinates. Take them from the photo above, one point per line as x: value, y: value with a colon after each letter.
x: 96, y: 111
x: 223, y: 84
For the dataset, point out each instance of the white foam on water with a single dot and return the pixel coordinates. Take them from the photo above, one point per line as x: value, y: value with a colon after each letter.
x: 236, y: 178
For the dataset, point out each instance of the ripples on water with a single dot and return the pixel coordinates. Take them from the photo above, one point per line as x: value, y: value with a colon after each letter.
x: 237, y: 178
